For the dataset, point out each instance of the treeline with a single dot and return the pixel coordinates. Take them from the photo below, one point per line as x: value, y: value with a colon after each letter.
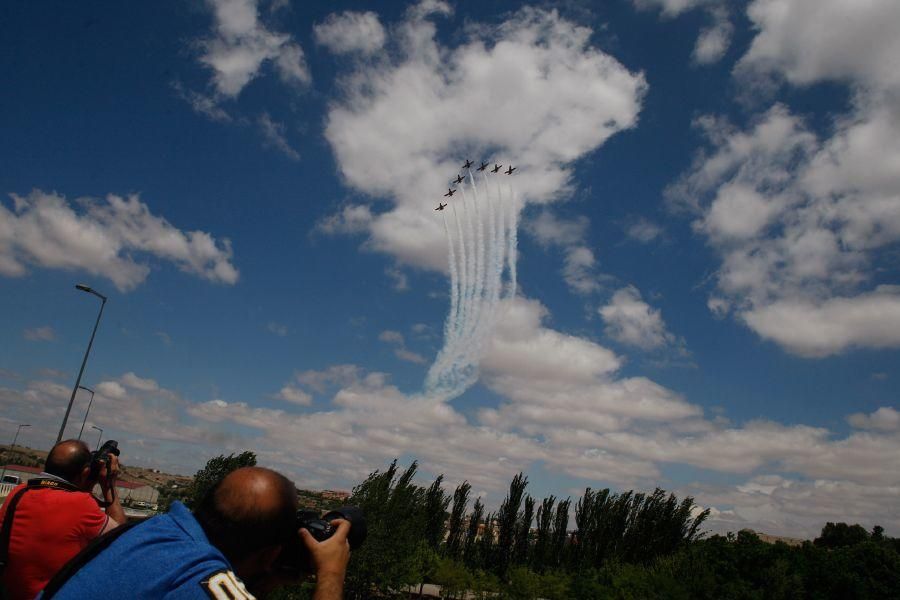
x: 625, y: 546
x: 424, y: 535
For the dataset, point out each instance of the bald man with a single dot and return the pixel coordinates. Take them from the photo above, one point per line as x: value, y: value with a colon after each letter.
x: 228, y: 544
x: 56, y: 516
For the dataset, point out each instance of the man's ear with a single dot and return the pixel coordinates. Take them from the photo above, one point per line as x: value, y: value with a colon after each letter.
x: 85, y: 478
x: 258, y: 562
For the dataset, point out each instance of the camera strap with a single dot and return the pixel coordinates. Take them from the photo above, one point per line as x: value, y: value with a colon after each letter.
x: 6, y: 530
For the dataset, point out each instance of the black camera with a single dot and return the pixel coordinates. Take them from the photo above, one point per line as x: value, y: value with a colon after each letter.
x: 294, y: 557
x: 102, y: 457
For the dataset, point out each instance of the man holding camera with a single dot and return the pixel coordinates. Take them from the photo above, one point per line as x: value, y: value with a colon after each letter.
x: 50, y: 519
x: 233, y: 546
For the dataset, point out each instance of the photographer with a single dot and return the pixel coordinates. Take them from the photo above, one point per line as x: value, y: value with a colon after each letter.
x: 54, y: 516
x: 227, y: 548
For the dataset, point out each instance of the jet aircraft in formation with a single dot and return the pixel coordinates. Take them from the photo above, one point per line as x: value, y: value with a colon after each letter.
x: 459, y: 178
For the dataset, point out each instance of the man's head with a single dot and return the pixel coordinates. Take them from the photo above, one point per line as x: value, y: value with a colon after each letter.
x: 71, y: 460
x: 248, y: 516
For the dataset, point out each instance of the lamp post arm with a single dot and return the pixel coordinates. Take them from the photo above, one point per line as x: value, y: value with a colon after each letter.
x: 81, y: 371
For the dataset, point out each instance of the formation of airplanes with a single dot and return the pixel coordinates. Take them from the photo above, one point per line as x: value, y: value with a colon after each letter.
x: 468, y: 165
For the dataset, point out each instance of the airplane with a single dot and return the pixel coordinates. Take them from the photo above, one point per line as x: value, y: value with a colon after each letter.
x: 483, y: 166
x: 449, y: 193
x: 496, y: 168
x: 468, y: 164
x: 441, y: 206
x: 458, y: 179
x: 511, y: 169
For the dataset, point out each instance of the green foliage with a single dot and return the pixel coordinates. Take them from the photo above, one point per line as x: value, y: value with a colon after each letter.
x: 214, y: 471
x: 455, y: 538
x: 508, y: 519
x: 470, y: 549
x: 839, y: 535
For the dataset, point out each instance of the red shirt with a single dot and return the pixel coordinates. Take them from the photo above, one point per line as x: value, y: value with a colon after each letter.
x: 50, y: 526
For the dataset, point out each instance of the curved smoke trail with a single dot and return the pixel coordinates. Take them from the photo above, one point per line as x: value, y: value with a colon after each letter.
x: 486, y: 237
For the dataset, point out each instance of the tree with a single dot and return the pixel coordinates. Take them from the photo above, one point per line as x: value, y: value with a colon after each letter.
x: 523, y: 533
x: 507, y: 519
x: 469, y: 548
x: 215, y: 470
x: 560, y: 532
x: 839, y: 535
x: 455, y: 526
x: 436, y: 502
x: 539, y: 557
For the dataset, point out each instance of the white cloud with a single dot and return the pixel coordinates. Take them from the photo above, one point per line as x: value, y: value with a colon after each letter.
x: 350, y: 32
x: 278, y: 329
x: 39, y: 334
x: 714, y: 40
x: 632, y: 321
x: 102, y: 238
x: 398, y: 277
x: 406, y: 122
x: 294, y: 395
x: 883, y: 419
x: 138, y: 383
x: 806, y: 41
x: 241, y: 44
x: 643, y: 230
x: 579, y: 263
x: 350, y: 219
x: 273, y: 136
x: 396, y: 339
x: 869, y: 320
x: 802, y: 223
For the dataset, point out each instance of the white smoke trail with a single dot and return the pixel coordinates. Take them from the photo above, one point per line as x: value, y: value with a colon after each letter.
x: 487, y: 239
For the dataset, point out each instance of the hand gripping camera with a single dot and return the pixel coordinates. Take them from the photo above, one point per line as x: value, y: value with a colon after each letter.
x: 294, y: 557
x: 102, y: 457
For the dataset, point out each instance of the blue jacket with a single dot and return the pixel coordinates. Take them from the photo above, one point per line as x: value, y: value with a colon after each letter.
x: 168, y: 556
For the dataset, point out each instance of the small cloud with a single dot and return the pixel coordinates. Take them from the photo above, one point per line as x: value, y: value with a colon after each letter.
x: 274, y: 137
x: 294, y: 395
x: 881, y: 376
x: 643, y: 231
x: 409, y: 356
x: 40, y: 334
x: 883, y: 419
x: 391, y: 337
x: 52, y: 373
x: 10, y: 375
x: 277, y: 328
x: 350, y: 32
x: 400, y: 282
x: 350, y: 219
x: 631, y: 321
x: 164, y: 337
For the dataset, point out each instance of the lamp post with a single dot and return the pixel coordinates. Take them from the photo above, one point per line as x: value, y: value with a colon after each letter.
x: 87, y: 412
x: 87, y: 289
x: 13, y: 445
x: 99, y: 437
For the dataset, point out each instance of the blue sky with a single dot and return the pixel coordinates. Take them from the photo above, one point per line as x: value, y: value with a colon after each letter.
x: 707, y: 267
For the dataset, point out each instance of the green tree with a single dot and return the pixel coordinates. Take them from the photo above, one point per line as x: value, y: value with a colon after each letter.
x: 215, y: 470
x: 470, y: 548
x: 523, y: 533
x: 508, y: 518
x: 455, y: 526
x: 839, y: 535
x: 435, y: 507
x: 540, y: 557
x: 560, y: 533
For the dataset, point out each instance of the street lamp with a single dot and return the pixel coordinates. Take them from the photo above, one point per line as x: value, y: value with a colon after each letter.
x: 87, y: 289
x: 81, y: 387
x: 13, y: 446
x: 99, y: 437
